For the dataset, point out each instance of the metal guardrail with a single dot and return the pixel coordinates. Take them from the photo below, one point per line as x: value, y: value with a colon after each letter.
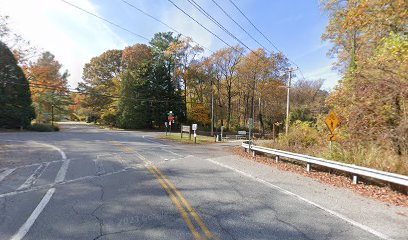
x: 350, y: 168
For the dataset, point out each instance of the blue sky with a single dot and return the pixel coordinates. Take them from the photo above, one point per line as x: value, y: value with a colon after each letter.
x: 294, y: 27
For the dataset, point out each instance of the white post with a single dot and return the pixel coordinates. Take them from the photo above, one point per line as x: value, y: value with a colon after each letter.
x: 308, y: 167
x: 277, y: 158
x: 355, y: 179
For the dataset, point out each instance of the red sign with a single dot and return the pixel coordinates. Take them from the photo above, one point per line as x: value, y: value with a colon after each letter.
x: 171, y: 118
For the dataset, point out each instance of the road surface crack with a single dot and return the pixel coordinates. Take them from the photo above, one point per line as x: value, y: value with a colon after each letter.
x: 3, y: 209
x: 285, y: 222
x: 94, y: 212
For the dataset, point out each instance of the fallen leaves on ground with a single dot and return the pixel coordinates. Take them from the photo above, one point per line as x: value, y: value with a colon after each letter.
x: 382, y: 193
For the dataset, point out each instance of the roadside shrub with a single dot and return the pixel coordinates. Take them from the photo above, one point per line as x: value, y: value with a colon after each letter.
x: 301, y: 134
x: 369, y: 155
x: 108, y: 117
x: 38, y: 127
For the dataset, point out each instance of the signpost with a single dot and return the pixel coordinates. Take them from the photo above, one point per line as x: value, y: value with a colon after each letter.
x: 251, y: 124
x: 185, y: 128
x: 194, y: 127
x: 171, y: 119
x: 332, y: 121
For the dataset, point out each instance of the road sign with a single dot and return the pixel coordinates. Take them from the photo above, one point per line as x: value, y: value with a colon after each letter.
x: 171, y: 118
x: 332, y: 121
x: 332, y: 137
x: 185, y: 128
x: 194, y: 127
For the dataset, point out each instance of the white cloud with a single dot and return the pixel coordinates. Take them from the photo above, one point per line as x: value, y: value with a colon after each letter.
x: 70, y: 34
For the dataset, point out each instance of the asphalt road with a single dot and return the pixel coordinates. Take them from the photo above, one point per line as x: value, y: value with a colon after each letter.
x: 90, y: 183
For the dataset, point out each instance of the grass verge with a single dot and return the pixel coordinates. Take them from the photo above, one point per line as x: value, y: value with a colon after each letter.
x: 175, y: 137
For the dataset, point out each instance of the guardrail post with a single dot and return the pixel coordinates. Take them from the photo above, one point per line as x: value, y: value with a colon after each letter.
x: 277, y: 158
x: 355, y: 179
x: 308, y: 167
x: 253, y: 153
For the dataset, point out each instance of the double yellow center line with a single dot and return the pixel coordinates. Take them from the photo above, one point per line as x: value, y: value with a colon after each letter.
x: 186, y: 210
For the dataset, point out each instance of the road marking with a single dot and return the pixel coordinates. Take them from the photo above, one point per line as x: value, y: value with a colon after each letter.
x: 352, y: 222
x: 160, y: 177
x: 63, y: 155
x: 34, y: 215
x: 62, y: 171
x: 34, y: 164
x: 186, y: 204
x: 134, y: 167
x: 31, y: 180
x: 163, y: 180
x: 5, y: 173
x: 166, y: 150
x: 175, y: 201
x: 144, y: 137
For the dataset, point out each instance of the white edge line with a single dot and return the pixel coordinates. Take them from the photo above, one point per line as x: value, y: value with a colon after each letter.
x: 62, y: 171
x: 34, y: 215
x: 359, y: 225
x: 5, y: 173
x: 63, y: 155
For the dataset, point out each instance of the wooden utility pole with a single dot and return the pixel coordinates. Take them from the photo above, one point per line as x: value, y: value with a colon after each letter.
x: 212, y: 112
x: 288, y: 100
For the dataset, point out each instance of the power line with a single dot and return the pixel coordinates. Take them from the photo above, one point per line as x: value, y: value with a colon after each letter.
x: 43, y: 86
x: 215, y: 35
x: 165, y: 24
x: 206, y: 14
x: 232, y: 19
x: 253, y: 25
x: 106, y: 20
x: 259, y: 31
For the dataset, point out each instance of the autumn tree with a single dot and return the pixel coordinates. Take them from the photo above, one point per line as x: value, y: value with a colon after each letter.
x: 356, y: 27
x: 101, y: 83
x: 184, y: 52
x: 370, y: 42
x: 308, y: 100
x: 16, y: 110
x: 49, y: 87
x: 261, y: 78
x: 226, y: 63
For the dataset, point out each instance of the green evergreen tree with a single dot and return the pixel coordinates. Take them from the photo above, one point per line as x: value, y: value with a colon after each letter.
x: 166, y: 91
x: 134, y: 110
x: 15, y: 97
